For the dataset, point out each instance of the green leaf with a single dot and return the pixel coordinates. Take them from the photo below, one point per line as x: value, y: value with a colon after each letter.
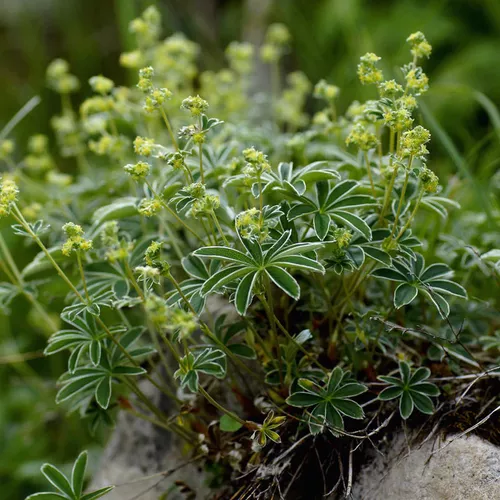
x: 284, y: 280
x: 97, y: 494
x: 340, y: 191
x: 405, y: 405
x: 405, y: 371
x: 303, y: 399
x: 378, y: 255
x: 317, y: 419
x: 57, y: 479
x: 103, y: 392
x: 299, y: 248
x: 356, y: 201
x: 390, y: 393
x: 387, y: 273
x: 321, y: 225
x: 334, y: 380
x: 223, y: 277
x: 448, y: 287
x: 426, y: 388
x: 405, y: 293
x: 420, y: 374
x: 78, y: 473
x: 440, y: 302
x: 118, y: 209
x: 46, y: 495
x: 195, y: 267
x: 299, y: 262
x: 229, y: 424
x: 333, y: 417
x: 299, y: 211
x: 277, y: 246
x: 354, y: 222
x: 422, y: 402
x: 350, y: 390
x: 224, y: 253
x: 242, y: 350
x: 435, y: 271
x: 244, y: 293
x: 348, y: 407
x: 128, y: 370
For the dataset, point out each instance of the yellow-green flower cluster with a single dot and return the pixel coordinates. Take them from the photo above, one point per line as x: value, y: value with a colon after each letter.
x: 149, y: 207
x: 114, y: 146
x: 6, y: 149
x: 413, y: 142
x: 116, y: 250
x: 398, y: 119
x: 68, y: 133
x: 8, y: 196
x: 390, y: 89
x: 147, y: 27
x: 147, y: 273
x: 60, y: 79
x: 195, y: 105
x: 290, y: 107
x: 95, y: 105
x: 326, y: 91
x: 182, y: 323
x: 101, y: 85
x: 152, y: 253
x: 256, y: 164
x: 240, y: 57
x: 155, y: 97
x: 249, y: 225
x: 361, y: 137
x: 75, y: 240
x: 429, y: 180
x: 417, y: 80
x: 144, y: 146
x: 420, y: 47
x: 39, y: 159
x: 32, y: 211
x: 175, y: 61
x: 276, y: 41
x: 138, y: 171
x: 367, y: 69
x: 177, y: 160
x: 342, y: 237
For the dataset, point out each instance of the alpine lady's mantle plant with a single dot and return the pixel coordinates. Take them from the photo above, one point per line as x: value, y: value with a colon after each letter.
x: 305, y: 225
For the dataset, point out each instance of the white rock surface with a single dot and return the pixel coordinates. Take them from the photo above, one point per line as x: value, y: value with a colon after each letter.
x: 466, y: 468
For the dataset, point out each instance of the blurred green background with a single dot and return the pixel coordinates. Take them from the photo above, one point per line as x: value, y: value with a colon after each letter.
x: 328, y: 38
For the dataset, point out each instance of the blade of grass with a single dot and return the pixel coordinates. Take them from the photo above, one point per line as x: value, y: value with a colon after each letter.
x: 22, y: 113
x: 457, y: 159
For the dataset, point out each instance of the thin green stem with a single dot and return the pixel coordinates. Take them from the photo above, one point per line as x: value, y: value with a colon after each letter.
x: 169, y: 128
x: 219, y: 228
x: 217, y: 405
x: 402, y: 197
x: 82, y: 275
x: 412, y: 215
x: 369, y: 171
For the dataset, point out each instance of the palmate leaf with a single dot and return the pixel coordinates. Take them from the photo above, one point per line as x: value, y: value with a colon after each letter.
x: 248, y: 268
x: 415, y: 277
x: 331, y: 402
x: 209, y: 361
x: 334, y: 203
x: 411, y: 389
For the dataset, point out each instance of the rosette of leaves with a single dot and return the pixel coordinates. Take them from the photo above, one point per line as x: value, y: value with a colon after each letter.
x: 330, y: 403
x: 209, y: 361
x: 414, y: 277
x: 88, y: 382
x: 84, y: 340
x: 412, y: 390
x: 258, y: 261
x: 334, y: 203
x: 68, y: 488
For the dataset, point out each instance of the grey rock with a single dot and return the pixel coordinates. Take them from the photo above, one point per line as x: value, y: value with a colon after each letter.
x: 459, y: 468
